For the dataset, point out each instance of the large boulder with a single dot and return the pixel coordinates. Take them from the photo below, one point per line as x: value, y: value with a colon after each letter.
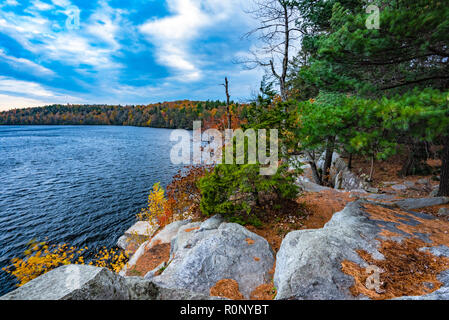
x: 310, y: 263
x: 73, y: 282
x: 166, y: 235
x: 81, y: 282
x: 308, y: 186
x: 136, y: 235
x: 418, y: 203
x: 205, y: 253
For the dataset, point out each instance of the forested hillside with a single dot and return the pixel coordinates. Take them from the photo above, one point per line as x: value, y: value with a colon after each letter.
x: 178, y: 114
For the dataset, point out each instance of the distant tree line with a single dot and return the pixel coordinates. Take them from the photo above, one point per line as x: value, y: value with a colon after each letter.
x: 173, y: 115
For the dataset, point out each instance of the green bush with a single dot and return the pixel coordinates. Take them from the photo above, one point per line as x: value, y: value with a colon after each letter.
x: 239, y: 191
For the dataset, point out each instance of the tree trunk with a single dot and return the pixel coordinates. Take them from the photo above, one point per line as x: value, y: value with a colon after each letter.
x: 286, y: 54
x: 415, y: 163
x: 371, y: 172
x: 328, y: 159
x: 350, y: 161
x: 444, y: 178
x: 316, y: 175
x: 228, y: 104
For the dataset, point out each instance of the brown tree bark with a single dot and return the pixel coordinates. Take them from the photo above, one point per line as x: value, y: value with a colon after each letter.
x: 444, y: 178
x: 416, y: 159
x: 328, y: 159
x: 228, y: 103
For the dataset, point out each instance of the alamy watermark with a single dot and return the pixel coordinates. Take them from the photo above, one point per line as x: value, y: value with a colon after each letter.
x: 373, y: 281
x: 73, y: 18
x: 373, y: 20
x: 209, y: 147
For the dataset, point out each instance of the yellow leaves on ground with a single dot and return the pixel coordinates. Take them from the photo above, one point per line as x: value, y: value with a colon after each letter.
x: 40, y: 258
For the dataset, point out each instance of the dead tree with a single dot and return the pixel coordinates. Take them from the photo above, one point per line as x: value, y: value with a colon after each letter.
x: 228, y: 102
x: 276, y: 33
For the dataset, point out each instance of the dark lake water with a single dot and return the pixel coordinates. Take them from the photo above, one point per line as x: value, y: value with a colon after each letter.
x: 81, y: 185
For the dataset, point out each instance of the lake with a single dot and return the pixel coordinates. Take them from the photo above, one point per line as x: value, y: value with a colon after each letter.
x: 81, y: 185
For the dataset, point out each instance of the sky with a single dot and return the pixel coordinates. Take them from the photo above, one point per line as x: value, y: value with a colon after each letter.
x: 122, y: 52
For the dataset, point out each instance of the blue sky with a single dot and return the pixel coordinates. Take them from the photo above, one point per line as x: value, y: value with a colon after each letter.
x: 122, y: 52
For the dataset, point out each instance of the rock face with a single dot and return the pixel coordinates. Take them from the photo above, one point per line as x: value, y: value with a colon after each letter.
x: 204, y: 253
x: 309, y: 186
x: 343, y: 178
x: 81, y: 282
x: 310, y: 262
x: 340, y: 175
x: 164, y: 236
x: 139, y: 232
x: 73, y: 282
x: 410, y: 204
x: 399, y: 187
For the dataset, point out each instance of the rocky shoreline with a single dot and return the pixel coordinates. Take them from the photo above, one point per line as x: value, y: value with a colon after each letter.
x: 376, y: 236
x: 311, y: 264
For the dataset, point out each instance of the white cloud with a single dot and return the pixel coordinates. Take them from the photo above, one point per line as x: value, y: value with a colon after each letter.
x: 173, y: 34
x: 25, y: 65
x: 12, y: 3
x: 20, y: 94
x: 105, y: 24
x: 61, y: 3
x: 23, y: 87
x: 78, y: 47
x: 41, y: 6
x: 8, y: 102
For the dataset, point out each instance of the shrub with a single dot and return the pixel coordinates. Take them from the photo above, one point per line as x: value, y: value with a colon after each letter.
x: 240, y: 191
x: 157, y: 212
x: 183, y: 193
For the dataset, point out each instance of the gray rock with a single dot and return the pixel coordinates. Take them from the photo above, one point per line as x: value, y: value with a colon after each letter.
x: 151, y: 274
x: 409, y: 184
x: 81, y: 282
x: 135, y: 257
x: 179, y: 294
x: 203, y: 256
x: 309, y: 186
x: 123, y: 242
x: 308, y: 264
x: 389, y: 183
x: 349, y: 181
x: 399, y: 187
x: 434, y: 192
x: 73, y: 282
x: 372, y: 190
x: 167, y: 234
x: 439, y: 251
x: 137, y: 234
x: 184, y: 234
x: 212, y: 223
x: 443, y: 212
x: 423, y: 181
x: 164, y: 236
x: 384, y: 197
x: 141, y: 289
x: 338, y: 181
x: 410, y: 204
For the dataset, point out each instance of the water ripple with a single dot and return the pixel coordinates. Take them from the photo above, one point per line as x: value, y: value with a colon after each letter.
x: 77, y: 184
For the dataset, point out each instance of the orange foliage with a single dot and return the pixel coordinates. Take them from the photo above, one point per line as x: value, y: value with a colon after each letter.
x: 183, y: 193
